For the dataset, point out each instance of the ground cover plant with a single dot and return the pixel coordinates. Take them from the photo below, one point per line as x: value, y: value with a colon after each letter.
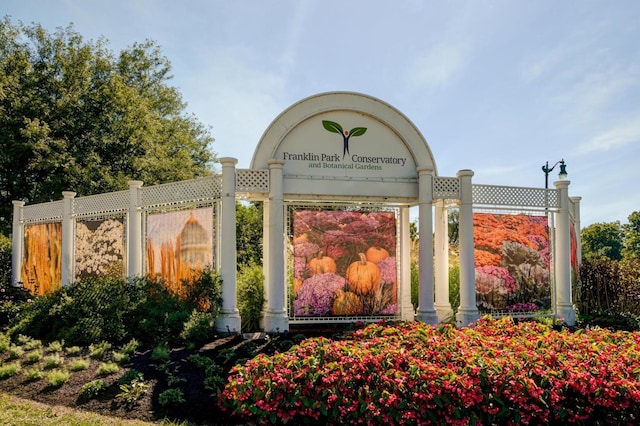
x: 494, y: 372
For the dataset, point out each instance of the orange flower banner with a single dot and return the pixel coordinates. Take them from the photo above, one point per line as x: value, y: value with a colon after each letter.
x: 512, y: 260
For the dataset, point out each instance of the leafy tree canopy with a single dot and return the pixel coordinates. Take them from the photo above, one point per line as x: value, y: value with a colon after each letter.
x: 602, y: 240
x: 631, y: 232
x: 75, y: 116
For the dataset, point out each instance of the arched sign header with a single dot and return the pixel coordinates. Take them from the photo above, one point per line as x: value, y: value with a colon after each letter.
x: 344, y: 136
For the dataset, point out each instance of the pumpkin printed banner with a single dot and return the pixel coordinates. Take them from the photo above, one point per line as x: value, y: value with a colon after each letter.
x: 512, y: 262
x: 344, y: 263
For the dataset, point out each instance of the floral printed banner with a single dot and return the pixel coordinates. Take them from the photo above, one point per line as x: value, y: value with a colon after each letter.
x: 512, y: 260
x: 100, y: 248
x: 42, y: 261
x: 344, y: 263
x: 178, y: 244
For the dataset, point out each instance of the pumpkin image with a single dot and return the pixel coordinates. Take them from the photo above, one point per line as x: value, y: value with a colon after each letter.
x: 347, y: 303
x: 304, y: 238
x: 363, y: 276
x: 321, y: 264
x: 376, y: 254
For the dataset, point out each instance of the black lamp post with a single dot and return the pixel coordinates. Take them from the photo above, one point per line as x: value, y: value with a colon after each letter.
x: 547, y: 170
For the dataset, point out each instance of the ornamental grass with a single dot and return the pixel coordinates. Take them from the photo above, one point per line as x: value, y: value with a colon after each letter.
x: 494, y: 372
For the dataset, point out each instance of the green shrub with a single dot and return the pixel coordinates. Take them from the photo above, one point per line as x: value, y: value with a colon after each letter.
x: 15, y: 352
x: 92, y: 389
x: 130, y: 347
x: 198, y: 329
x: 5, y: 261
x: 79, y: 364
x: 33, y: 356
x: 99, y: 350
x: 73, y: 351
x: 120, y: 357
x: 29, y: 343
x: 171, y: 396
x: 161, y: 353
x: 5, y: 342
x: 129, y: 376
x: 58, y: 377
x: 52, y: 361
x: 9, y: 370
x: 117, y: 310
x: 107, y: 368
x: 250, y: 296
x: 132, y: 391
x: 55, y: 346
x: 32, y: 374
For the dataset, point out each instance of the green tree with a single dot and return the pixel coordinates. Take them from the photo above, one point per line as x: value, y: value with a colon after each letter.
x: 602, y: 240
x: 631, y: 233
x: 249, y: 224
x: 76, y: 116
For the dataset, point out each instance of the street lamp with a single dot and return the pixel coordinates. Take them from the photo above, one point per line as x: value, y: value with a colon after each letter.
x: 547, y: 170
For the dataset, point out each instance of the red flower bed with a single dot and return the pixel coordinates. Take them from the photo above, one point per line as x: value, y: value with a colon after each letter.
x: 497, y: 371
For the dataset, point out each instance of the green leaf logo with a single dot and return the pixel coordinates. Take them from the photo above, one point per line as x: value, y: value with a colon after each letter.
x: 334, y: 127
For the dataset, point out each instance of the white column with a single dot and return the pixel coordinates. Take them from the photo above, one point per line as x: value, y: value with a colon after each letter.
x: 441, y: 247
x: 134, y: 231
x: 275, y: 316
x: 17, y: 243
x: 228, y: 320
x: 467, y: 312
x: 68, y: 232
x: 426, y: 311
x: 576, y: 217
x: 407, y: 313
x: 564, y: 305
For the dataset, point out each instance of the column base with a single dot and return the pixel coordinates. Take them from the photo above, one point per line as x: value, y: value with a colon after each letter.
x: 445, y: 313
x: 428, y: 317
x: 229, y: 322
x: 567, y: 313
x: 466, y: 316
x: 275, y: 322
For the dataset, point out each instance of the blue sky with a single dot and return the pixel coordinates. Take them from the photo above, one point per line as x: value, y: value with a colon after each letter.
x: 498, y: 87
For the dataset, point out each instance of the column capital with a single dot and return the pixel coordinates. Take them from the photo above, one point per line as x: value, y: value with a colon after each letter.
x: 464, y: 173
x: 274, y: 164
x: 228, y: 161
x: 135, y: 183
x: 560, y: 184
x: 18, y: 203
x: 425, y: 170
x: 68, y: 194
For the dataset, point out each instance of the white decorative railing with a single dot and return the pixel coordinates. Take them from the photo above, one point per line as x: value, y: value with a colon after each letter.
x: 101, y: 204
x: 184, y: 192
x: 446, y: 187
x: 44, y: 212
x: 493, y: 195
x: 248, y: 180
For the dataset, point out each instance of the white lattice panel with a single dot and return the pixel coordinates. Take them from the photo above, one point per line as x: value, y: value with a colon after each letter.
x: 101, y: 204
x: 44, y: 212
x: 514, y: 196
x: 248, y: 180
x: 446, y: 187
x: 183, y: 192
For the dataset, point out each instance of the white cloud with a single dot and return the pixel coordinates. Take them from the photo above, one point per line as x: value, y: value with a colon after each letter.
x: 615, y: 138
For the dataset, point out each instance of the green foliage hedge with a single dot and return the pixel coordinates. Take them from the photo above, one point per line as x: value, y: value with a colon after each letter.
x: 118, y: 310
